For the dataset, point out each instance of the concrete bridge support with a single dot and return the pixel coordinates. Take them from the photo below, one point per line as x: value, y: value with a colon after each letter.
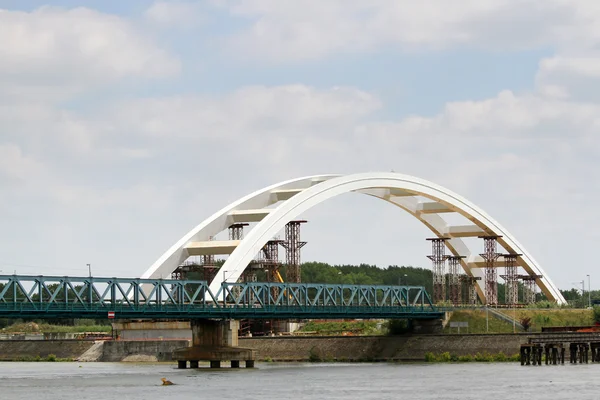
x: 214, y: 341
x: 423, y: 326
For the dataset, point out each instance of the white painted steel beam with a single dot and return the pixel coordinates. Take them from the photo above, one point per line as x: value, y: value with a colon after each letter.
x: 282, y: 195
x: 477, y: 261
x: 462, y: 231
x: 433, y: 208
x: 212, y: 247
x: 239, y: 216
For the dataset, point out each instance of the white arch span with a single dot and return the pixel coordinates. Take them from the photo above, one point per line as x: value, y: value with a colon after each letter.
x: 424, y: 200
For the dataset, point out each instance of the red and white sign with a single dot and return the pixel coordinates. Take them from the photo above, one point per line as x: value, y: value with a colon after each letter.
x: 111, y: 314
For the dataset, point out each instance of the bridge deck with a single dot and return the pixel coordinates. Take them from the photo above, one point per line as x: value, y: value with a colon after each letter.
x: 87, y: 297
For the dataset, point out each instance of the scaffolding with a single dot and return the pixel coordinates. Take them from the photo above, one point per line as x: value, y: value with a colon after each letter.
x: 529, y: 287
x: 292, y: 245
x: 490, y: 255
x: 454, y: 283
x: 438, y: 259
x: 236, y: 231
x: 511, y: 279
x: 470, y: 294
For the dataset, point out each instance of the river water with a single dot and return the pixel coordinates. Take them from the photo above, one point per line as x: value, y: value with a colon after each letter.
x: 123, y: 381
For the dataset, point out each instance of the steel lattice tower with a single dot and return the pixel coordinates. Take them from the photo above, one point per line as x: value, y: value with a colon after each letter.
x: 271, y: 264
x: 292, y: 246
x: 236, y: 231
x: 471, y: 289
x: 490, y: 255
x: 454, y: 279
x: 438, y: 258
x: 511, y: 279
x: 529, y: 286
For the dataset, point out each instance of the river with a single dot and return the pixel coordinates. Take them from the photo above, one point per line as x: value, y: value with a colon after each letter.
x: 124, y: 381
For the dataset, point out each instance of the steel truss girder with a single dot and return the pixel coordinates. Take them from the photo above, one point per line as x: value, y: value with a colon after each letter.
x: 71, y: 297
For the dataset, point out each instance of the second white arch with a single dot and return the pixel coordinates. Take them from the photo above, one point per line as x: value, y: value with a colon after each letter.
x: 401, y: 190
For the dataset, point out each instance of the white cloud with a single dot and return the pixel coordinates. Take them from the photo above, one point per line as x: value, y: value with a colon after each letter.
x: 247, y: 112
x: 174, y: 14
x: 133, y: 173
x: 522, y: 157
x: 16, y: 166
x: 57, y: 52
x: 311, y: 29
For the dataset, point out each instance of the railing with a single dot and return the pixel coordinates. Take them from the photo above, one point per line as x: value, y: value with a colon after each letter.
x: 81, y: 297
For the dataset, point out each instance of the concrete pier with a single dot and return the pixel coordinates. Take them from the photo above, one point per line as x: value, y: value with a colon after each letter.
x: 214, y: 341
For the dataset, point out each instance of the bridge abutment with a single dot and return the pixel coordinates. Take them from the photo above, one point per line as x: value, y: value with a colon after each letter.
x: 214, y: 341
x: 423, y: 326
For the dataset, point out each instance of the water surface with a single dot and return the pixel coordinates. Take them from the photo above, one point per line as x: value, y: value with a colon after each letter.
x: 124, y: 381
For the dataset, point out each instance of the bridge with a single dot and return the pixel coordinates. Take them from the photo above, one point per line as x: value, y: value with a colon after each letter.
x: 275, y: 208
x: 230, y: 290
x: 87, y: 297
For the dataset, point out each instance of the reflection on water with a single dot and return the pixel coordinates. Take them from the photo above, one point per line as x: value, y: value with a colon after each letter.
x: 102, y: 381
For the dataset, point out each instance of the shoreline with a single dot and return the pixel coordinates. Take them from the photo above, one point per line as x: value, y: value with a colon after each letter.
x: 355, y: 349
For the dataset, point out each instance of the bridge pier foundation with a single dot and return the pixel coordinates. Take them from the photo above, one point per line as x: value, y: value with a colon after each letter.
x: 426, y: 325
x: 214, y: 341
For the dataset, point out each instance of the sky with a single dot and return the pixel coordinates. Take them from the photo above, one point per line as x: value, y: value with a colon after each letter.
x: 123, y: 124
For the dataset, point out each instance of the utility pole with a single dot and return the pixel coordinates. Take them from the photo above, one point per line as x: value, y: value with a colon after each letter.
x: 582, y: 293
x: 89, y: 270
x: 589, y: 292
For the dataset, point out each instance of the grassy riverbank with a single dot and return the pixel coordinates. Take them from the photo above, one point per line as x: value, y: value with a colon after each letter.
x: 48, y: 358
x: 32, y: 327
x: 538, y: 318
x: 479, y: 357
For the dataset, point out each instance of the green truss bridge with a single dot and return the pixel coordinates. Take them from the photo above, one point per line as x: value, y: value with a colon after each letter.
x: 122, y: 298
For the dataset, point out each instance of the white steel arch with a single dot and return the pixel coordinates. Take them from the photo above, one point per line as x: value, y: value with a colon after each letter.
x: 297, y: 196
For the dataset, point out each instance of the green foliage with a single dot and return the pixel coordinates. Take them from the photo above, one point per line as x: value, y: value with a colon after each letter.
x: 538, y: 318
x: 365, y: 327
x: 479, y: 357
x: 313, y: 355
x: 526, y: 323
x: 484, y: 357
x: 515, y: 358
x: 397, y: 327
x: 268, y: 359
x: 365, y: 274
x: 596, y: 311
x: 38, y: 358
x: 544, y: 304
x: 43, y: 327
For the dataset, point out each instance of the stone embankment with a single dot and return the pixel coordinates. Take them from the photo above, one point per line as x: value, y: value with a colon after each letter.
x: 380, y: 348
x: 11, y: 350
x: 353, y: 348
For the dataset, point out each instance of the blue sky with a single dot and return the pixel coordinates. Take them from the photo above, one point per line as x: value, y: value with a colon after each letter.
x: 124, y: 123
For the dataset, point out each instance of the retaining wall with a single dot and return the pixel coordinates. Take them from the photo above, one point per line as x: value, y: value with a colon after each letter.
x: 379, y: 348
x: 20, y: 349
x: 146, y: 350
x: 343, y: 348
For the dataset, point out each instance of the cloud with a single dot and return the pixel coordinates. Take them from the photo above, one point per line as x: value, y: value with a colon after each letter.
x: 58, y: 52
x: 174, y: 14
x: 286, y: 31
x: 248, y: 112
x: 15, y: 166
x: 136, y: 173
x: 312, y: 29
